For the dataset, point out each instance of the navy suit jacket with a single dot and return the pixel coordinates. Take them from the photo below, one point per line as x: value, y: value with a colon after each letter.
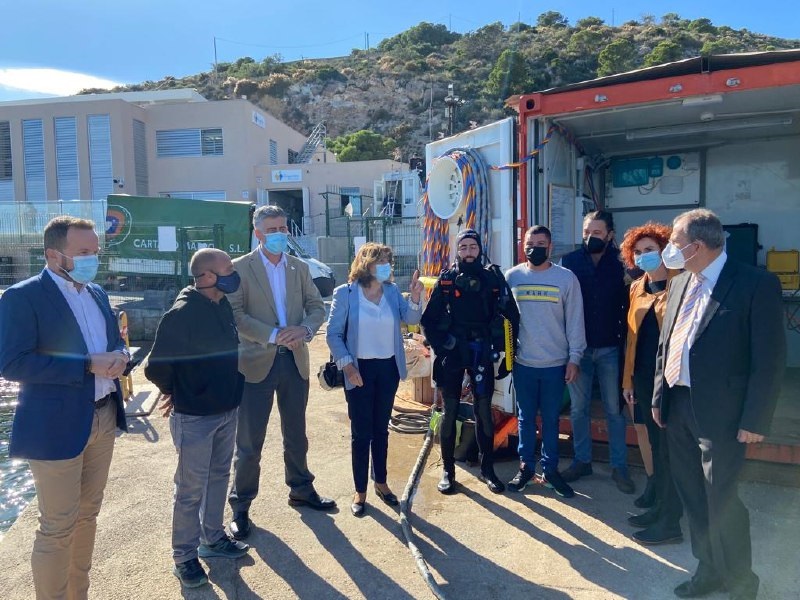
x: 42, y: 348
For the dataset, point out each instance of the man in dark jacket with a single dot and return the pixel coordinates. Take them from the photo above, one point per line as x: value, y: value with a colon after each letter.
x: 463, y: 323
x: 194, y: 361
x: 605, y: 299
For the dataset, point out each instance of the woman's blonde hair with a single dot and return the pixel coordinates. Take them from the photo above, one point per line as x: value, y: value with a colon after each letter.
x: 369, y: 254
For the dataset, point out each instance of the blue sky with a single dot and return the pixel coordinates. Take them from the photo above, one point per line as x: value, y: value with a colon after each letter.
x: 56, y: 47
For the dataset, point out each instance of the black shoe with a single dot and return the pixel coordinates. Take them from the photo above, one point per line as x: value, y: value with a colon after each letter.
x: 657, y: 534
x: 623, y: 481
x: 576, y: 470
x: 388, y: 498
x: 645, y: 519
x: 493, y: 482
x: 648, y: 497
x: 555, y: 482
x: 447, y: 484
x: 240, y: 526
x: 358, y: 508
x: 521, y: 479
x: 191, y: 573
x: 314, y: 500
x: 698, y: 586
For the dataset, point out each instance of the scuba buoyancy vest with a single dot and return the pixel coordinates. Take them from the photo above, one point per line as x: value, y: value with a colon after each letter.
x: 493, y: 293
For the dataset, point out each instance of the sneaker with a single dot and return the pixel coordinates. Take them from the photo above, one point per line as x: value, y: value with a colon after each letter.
x: 576, y: 470
x: 521, y: 479
x: 493, y: 482
x: 191, y: 573
x: 555, y: 482
x: 624, y: 483
x: 224, y: 548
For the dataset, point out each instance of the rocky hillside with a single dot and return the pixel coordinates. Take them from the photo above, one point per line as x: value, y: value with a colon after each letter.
x: 398, y: 88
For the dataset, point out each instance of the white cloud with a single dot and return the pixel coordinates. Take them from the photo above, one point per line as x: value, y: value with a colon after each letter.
x: 51, y: 81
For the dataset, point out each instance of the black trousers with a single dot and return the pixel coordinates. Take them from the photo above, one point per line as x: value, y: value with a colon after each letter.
x: 482, y: 404
x: 257, y: 399
x: 670, y: 507
x: 369, y: 408
x: 706, y: 475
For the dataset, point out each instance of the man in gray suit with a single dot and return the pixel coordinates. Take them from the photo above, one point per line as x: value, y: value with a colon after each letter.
x: 277, y: 309
x: 719, y: 367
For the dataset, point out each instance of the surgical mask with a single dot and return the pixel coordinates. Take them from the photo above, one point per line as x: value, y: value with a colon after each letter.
x: 673, y: 256
x: 594, y: 245
x: 276, y: 242
x: 648, y: 261
x: 383, y: 272
x: 227, y: 284
x: 537, y: 255
x: 84, y: 269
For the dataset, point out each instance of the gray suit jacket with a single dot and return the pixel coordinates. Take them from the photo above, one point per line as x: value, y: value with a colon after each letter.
x: 256, y: 315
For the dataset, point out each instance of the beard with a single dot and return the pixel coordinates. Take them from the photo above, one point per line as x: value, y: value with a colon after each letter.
x: 470, y: 267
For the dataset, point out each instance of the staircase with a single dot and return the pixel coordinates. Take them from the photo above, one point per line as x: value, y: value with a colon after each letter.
x: 310, y: 147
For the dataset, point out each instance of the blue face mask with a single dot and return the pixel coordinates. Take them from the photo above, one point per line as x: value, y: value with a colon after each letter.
x: 84, y: 269
x: 649, y: 261
x: 383, y: 272
x: 275, y: 243
x: 227, y: 284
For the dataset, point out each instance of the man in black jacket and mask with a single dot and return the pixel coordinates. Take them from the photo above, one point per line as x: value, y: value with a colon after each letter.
x: 463, y: 322
x: 194, y: 361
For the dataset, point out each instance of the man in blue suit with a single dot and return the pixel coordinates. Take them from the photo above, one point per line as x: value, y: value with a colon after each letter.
x: 60, y: 340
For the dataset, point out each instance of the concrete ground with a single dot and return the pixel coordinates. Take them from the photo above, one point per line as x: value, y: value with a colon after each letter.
x: 477, y: 544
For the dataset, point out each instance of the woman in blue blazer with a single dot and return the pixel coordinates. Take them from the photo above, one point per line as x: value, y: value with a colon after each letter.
x: 366, y: 343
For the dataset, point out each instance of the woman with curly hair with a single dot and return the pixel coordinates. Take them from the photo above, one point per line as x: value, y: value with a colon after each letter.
x: 642, y: 248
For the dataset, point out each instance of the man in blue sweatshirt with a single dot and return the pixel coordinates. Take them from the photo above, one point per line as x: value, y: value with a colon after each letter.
x: 605, y: 306
x: 551, y: 344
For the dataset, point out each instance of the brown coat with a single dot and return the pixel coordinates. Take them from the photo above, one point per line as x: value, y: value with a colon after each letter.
x: 640, y: 304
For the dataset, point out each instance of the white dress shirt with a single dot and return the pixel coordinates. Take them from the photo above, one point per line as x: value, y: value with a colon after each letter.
x: 376, y: 327
x: 710, y: 276
x: 277, y: 281
x: 92, y: 323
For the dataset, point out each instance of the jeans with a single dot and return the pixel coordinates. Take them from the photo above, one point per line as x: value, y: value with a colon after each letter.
x: 539, y: 390
x: 205, y: 448
x: 606, y: 362
x: 369, y: 408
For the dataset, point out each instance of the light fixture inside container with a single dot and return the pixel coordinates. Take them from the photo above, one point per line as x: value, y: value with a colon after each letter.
x: 702, y: 100
x: 698, y: 128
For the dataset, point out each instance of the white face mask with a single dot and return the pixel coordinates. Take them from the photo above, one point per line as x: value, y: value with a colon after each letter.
x: 673, y: 256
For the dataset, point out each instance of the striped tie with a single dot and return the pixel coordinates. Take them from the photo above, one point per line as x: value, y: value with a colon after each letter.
x: 683, y: 323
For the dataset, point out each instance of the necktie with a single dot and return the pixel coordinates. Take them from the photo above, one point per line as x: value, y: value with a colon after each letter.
x: 683, y: 323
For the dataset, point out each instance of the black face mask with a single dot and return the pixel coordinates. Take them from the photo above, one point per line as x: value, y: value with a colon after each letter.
x: 537, y: 255
x: 594, y: 245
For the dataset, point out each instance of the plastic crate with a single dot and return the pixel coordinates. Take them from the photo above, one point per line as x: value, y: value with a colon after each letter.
x: 783, y: 261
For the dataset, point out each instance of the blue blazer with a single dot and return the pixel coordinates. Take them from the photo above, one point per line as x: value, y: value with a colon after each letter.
x: 41, y: 347
x: 344, y: 309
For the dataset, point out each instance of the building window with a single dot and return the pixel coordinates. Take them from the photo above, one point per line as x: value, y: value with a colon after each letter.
x: 140, y: 158
x: 101, y: 176
x: 67, y: 177
x: 201, y: 195
x: 6, y: 173
x: 273, y: 152
x: 292, y: 156
x: 171, y: 143
x: 33, y: 159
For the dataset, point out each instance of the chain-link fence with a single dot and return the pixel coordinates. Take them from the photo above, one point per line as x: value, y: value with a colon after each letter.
x: 402, y: 234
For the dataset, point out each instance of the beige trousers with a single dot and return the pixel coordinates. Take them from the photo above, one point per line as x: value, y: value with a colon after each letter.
x: 70, y: 493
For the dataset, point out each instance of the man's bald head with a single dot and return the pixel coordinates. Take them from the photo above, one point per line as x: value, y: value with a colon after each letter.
x: 208, y: 259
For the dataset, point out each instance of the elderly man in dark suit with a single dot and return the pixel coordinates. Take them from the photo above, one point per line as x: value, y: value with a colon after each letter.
x: 60, y: 340
x: 718, y: 372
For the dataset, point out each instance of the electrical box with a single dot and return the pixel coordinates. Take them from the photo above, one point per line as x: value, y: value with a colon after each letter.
x: 786, y: 265
x: 653, y: 181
